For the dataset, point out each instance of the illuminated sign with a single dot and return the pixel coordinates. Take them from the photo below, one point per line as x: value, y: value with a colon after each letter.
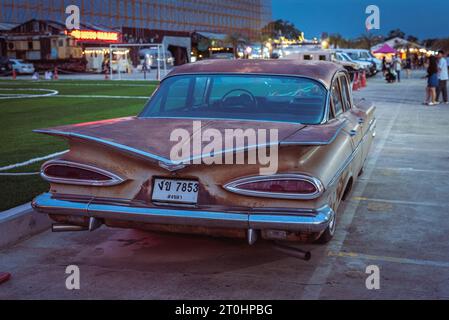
x: 89, y: 35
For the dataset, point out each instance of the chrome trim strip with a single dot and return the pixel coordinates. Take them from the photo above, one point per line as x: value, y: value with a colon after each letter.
x: 48, y: 204
x: 349, y: 159
x: 317, y: 143
x: 226, y: 119
x: 136, y: 152
x: 317, y: 223
x: 233, y: 186
x: 114, y: 179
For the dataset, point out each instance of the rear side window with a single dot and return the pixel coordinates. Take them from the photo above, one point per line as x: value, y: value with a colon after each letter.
x: 346, y: 94
x: 336, y: 99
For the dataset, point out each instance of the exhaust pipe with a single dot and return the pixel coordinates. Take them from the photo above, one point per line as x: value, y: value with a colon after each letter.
x: 252, y: 236
x: 293, y: 251
x: 94, y: 224
x: 57, y: 227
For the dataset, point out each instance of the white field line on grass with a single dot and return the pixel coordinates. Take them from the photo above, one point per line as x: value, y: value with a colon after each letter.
x: 99, y: 96
x: 54, y: 93
x: 77, y: 84
x: 31, y: 161
x: 26, y: 95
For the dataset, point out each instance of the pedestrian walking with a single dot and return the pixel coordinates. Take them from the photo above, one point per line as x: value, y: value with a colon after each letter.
x: 443, y: 76
x: 408, y: 67
x: 432, y: 82
x: 384, y: 65
x: 397, y: 66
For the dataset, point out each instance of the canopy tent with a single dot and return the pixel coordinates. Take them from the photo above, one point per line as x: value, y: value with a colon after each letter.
x: 385, y: 49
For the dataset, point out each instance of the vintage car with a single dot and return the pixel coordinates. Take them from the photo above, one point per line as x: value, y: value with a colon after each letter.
x: 123, y: 172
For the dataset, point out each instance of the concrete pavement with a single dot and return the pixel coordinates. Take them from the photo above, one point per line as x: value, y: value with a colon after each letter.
x: 396, y: 219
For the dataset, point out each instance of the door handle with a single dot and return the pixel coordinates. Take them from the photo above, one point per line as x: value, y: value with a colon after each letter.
x: 354, y: 131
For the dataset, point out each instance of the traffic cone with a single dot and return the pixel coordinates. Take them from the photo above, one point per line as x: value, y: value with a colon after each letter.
x: 363, y: 79
x: 355, y: 83
x: 55, y: 75
x: 14, y: 74
x: 4, y: 276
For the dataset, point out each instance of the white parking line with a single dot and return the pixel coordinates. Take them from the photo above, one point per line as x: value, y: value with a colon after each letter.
x: 419, y: 262
x: 323, y: 270
x: 31, y: 161
x: 401, y: 202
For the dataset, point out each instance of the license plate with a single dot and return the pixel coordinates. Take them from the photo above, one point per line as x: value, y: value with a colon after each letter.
x: 177, y: 191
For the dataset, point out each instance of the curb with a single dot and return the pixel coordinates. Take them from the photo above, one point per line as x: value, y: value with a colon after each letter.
x: 21, y: 223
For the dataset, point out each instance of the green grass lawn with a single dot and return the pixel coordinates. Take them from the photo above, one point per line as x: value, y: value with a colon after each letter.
x: 19, y: 116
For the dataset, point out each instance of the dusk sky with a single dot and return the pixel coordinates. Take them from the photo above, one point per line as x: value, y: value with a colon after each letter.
x: 423, y: 19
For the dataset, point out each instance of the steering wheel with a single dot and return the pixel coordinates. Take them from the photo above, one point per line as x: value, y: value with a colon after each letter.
x: 247, y: 92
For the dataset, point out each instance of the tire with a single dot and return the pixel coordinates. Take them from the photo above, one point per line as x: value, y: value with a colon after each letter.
x: 361, y: 172
x: 329, y: 233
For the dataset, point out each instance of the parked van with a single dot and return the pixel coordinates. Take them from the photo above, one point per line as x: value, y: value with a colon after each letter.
x: 327, y: 55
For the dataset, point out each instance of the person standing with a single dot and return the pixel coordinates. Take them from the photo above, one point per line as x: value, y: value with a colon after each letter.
x: 442, y: 77
x: 432, y: 81
x: 384, y: 65
x: 397, y: 66
x: 408, y: 66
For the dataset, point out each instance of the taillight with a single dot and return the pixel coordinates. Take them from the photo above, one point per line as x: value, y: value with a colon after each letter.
x: 67, y: 172
x: 283, y: 186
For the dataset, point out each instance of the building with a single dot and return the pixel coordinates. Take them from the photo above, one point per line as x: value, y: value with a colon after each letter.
x: 48, y: 44
x: 403, y: 47
x: 168, y: 22
x: 245, y: 17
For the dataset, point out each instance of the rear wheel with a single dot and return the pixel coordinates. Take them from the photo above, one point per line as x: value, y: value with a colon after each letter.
x: 329, y: 233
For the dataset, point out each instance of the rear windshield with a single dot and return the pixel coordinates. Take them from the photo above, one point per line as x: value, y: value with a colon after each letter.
x: 247, y: 97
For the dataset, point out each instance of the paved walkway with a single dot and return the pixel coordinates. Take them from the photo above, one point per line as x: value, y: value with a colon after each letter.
x: 396, y: 219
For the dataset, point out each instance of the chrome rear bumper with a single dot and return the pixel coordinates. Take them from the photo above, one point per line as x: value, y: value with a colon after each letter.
x: 297, y: 221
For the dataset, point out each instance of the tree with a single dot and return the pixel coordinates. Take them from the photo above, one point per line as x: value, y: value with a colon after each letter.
x: 280, y: 28
x: 337, y: 41
x: 235, y: 39
x: 368, y: 40
x: 440, y: 44
x: 413, y: 39
x: 396, y: 33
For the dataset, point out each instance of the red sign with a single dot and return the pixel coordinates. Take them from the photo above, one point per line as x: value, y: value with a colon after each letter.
x: 90, y: 35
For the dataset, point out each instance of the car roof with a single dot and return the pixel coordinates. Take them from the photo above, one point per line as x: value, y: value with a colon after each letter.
x: 320, y: 70
x: 355, y: 50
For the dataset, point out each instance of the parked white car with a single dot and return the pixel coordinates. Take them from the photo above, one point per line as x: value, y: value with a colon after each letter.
x: 21, y: 66
x: 152, y: 56
x: 364, y: 55
x: 368, y: 66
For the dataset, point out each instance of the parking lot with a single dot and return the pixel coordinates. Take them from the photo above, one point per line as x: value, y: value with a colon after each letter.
x: 395, y: 219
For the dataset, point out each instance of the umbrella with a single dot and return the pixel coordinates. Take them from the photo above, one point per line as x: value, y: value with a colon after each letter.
x: 385, y: 49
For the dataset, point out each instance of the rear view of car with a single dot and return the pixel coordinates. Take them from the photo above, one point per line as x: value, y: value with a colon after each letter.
x: 235, y: 148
